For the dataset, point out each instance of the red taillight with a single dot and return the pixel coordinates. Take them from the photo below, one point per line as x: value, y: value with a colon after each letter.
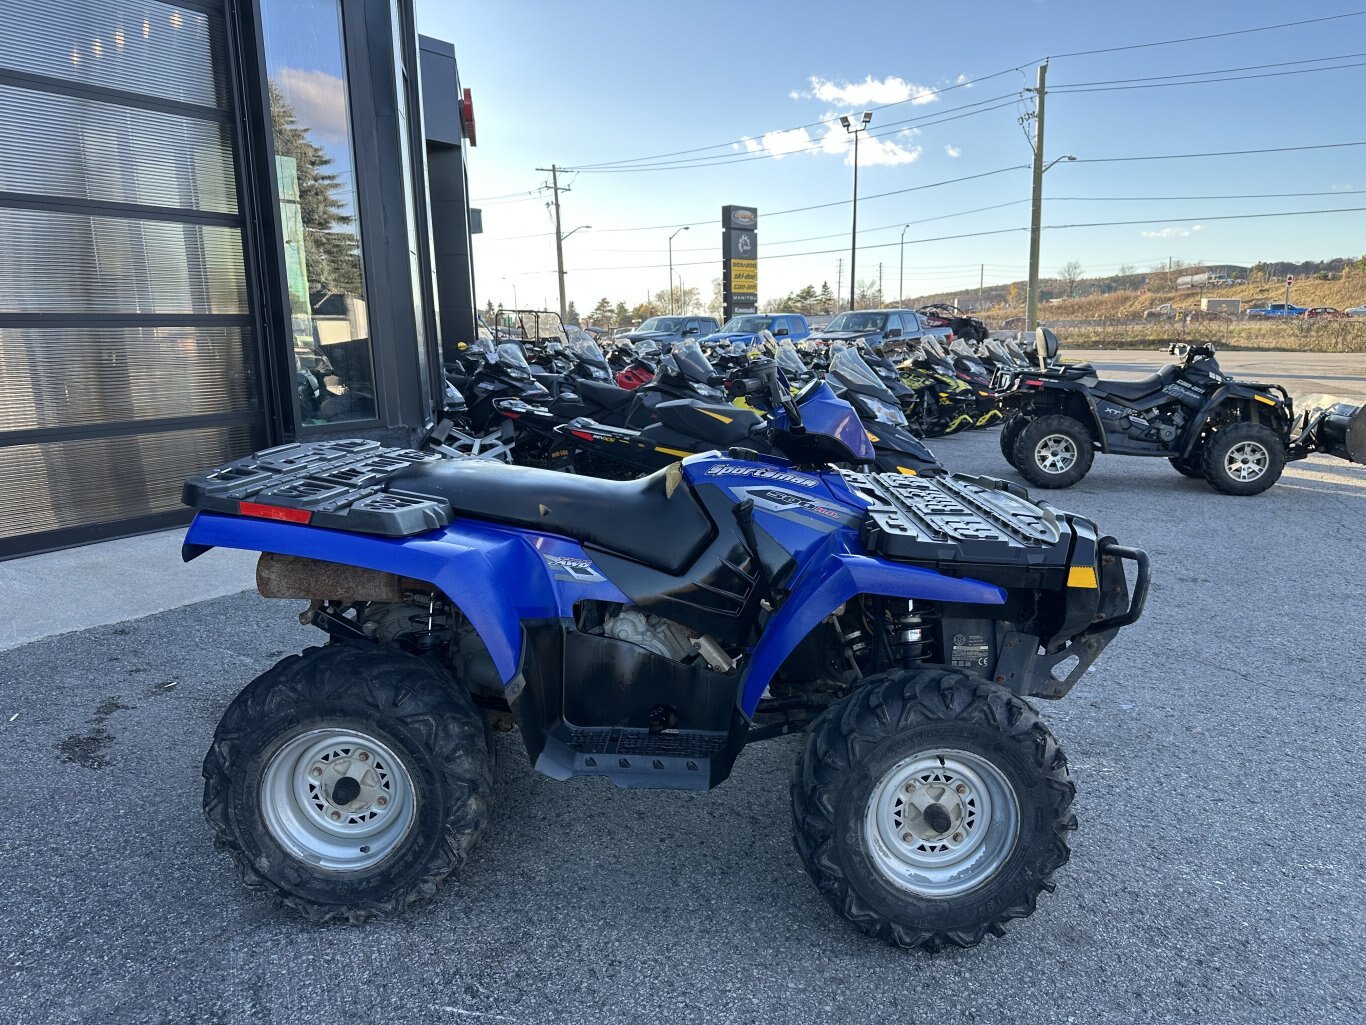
x: 274, y: 512
x: 1033, y: 382
x: 583, y: 435
x: 510, y: 414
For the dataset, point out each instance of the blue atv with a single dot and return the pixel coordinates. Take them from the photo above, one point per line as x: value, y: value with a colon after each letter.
x: 648, y: 631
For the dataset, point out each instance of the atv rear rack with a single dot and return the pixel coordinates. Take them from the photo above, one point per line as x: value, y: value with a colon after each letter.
x: 340, y: 485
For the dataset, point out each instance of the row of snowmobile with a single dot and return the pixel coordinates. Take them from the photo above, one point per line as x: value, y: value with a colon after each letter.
x: 573, y: 407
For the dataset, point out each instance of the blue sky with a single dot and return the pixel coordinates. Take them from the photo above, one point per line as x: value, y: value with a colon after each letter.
x: 596, y: 82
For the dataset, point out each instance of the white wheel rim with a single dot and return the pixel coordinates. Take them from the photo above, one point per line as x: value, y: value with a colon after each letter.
x: 941, y: 823
x: 1247, y: 461
x: 337, y: 799
x: 1057, y: 453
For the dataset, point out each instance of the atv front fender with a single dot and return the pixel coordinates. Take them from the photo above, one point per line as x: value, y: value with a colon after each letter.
x: 473, y: 572
x: 839, y: 579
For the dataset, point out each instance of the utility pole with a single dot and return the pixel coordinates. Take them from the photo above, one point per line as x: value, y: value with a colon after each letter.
x: 853, y: 232
x: 901, y: 279
x: 839, y: 280
x: 559, y: 239
x: 879, y: 282
x: 981, y: 281
x: 1036, y: 215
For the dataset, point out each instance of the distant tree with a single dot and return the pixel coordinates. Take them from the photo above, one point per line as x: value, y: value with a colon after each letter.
x: 601, y: 314
x: 1070, y: 274
x: 716, y: 306
x: 826, y: 299
x: 1126, y: 270
x: 488, y: 312
x: 571, y: 315
x: 866, y: 295
x: 622, y: 315
x: 1012, y: 294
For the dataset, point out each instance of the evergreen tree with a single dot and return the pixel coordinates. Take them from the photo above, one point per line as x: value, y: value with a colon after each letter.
x: 331, y: 247
x: 826, y: 299
x: 571, y: 315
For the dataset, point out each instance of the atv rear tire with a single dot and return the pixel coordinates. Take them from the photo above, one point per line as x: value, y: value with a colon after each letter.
x: 1244, y: 459
x: 930, y: 808
x: 349, y: 781
x: 1054, y: 451
x: 1010, y: 430
x: 1188, y: 467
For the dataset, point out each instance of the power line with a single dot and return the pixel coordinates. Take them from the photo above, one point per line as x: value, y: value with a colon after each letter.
x: 1211, y: 35
x: 920, y: 96
x: 983, y: 234
x: 1212, y: 71
x: 815, y: 146
x: 1218, y: 153
x: 1207, y: 81
x: 1244, y: 195
x: 794, y: 210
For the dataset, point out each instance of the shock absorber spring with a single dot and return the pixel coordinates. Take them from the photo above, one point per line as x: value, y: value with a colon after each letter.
x: 912, y: 636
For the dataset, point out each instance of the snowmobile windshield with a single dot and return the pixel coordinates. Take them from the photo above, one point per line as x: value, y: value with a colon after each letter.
x: 789, y: 360
x: 931, y: 349
x: 692, y: 363
x: 851, y: 321
x: 583, y: 346
x: 646, y: 347
x: 961, y: 348
x: 849, y: 365
x: 998, y: 352
x: 510, y: 358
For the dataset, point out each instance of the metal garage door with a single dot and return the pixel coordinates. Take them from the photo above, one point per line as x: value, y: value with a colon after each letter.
x: 128, y: 356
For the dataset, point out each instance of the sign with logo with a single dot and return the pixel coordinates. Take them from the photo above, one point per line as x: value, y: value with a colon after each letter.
x: 739, y: 260
x: 744, y: 277
x: 742, y: 217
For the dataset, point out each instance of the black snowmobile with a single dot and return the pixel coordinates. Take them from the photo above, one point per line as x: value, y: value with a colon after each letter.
x: 1237, y: 435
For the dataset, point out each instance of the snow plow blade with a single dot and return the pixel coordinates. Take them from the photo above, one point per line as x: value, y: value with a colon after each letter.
x: 1332, y: 426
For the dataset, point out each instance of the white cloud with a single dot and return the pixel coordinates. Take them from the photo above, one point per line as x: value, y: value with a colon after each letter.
x: 317, y: 99
x: 836, y: 141
x: 1171, y: 232
x: 953, y: 151
x: 871, y: 91
x: 964, y: 81
x: 794, y: 95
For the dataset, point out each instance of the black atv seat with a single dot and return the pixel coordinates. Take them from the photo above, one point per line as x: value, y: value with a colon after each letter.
x: 1142, y: 387
x: 607, y: 396
x: 638, y: 519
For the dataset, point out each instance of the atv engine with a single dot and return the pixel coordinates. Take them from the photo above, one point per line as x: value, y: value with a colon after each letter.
x: 651, y: 633
x: 1161, y: 423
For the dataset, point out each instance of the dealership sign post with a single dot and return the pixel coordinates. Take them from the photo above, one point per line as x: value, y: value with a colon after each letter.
x: 739, y: 260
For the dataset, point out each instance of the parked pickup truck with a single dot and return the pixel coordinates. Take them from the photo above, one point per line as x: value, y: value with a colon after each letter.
x: 1275, y: 310
x: 671, y: 329
x: 746, y: 328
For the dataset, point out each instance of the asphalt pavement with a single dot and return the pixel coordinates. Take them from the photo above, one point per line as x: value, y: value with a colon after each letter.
x: 1219, y: 874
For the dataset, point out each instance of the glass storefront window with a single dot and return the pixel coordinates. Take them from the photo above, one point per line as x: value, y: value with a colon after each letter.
x: 316, y: 168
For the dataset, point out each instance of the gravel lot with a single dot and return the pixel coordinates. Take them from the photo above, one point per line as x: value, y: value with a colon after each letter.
x: 1219, y: 873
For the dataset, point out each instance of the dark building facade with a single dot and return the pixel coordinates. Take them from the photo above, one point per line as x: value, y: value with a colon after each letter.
x: 216, y: 234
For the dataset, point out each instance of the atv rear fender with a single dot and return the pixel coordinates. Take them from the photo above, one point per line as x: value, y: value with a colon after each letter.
x: 473, y: 569
x: 1055, y: 396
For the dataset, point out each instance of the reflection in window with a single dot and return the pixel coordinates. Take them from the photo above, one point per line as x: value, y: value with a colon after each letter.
x: 316, y: 169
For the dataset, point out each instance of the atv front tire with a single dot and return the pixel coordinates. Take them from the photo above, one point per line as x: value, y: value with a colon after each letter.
x: 930, y: 808
x: 1054, y: 451
x: 349, y: 781
x: 1244, y: 459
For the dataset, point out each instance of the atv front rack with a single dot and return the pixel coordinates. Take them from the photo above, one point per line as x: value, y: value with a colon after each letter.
x: 341, y: 485
x: 958, y: 521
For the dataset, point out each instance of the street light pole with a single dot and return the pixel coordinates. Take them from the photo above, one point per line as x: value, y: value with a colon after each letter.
x: 901, y: 280
x: 853, y: 129
x: 672, y: 308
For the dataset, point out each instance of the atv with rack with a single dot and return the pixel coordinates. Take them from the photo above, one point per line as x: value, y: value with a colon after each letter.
x: 1237, y: 435
x: 649, y: 631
